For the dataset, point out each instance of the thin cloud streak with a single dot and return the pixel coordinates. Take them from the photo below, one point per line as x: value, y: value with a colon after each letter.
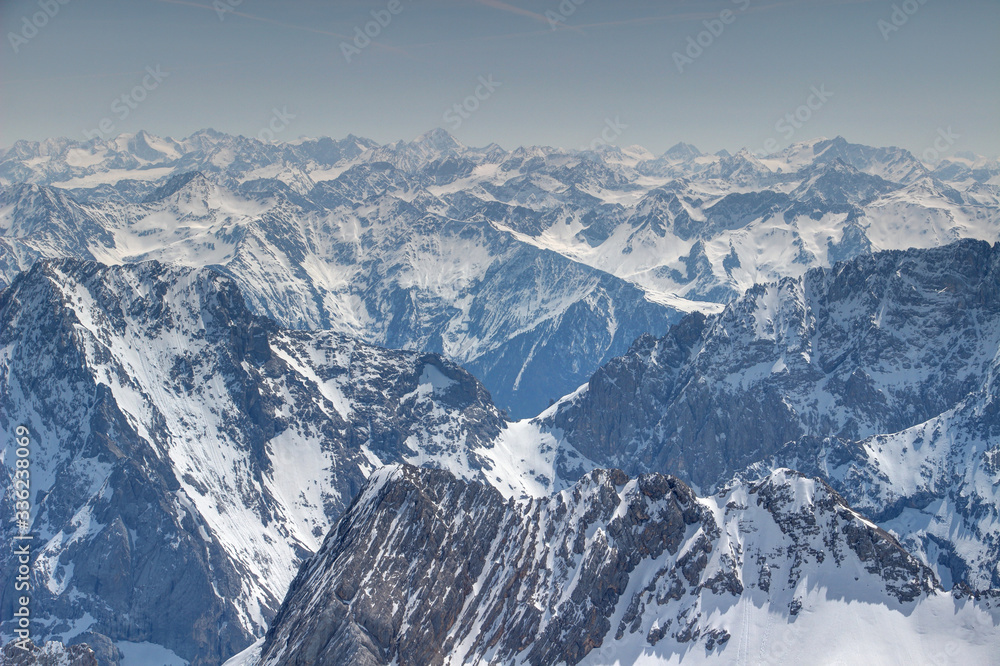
x: 689, y: 16
x: 505, y: 7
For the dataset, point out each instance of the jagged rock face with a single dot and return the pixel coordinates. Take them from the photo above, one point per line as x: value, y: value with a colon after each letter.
x: 875, y: 345
x: 426, y: 569
x: 531, y: 267
x: 52, y: 653
x: 926, y: 483
x: 894, y: 352
x: 187, y: 454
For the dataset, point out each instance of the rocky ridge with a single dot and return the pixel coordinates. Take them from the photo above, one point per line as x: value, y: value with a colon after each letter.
x: 425, y: 568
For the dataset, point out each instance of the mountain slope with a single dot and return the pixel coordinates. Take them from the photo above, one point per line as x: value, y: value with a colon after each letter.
x: 187, y: 454
x: 427, y: 569
x: 390, y: 271
x: 894, y: 355
x: 934, y: 484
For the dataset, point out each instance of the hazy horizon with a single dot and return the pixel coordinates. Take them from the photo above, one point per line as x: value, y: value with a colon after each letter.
x: 718, y: 74
x: 299, y: 139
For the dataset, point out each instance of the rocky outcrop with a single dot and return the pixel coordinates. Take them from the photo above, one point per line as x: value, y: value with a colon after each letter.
x: 427, y: 569
x: 875, y: 345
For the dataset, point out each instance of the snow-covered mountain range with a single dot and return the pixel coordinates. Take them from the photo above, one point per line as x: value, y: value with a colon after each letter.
x: 199, y: 336
x: 196, y: 446
x: 500, y: 260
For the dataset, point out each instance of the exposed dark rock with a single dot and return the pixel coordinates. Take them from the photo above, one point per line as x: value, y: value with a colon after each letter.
x: 424, y: 567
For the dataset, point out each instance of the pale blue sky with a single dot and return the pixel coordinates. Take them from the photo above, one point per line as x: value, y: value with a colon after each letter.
x: 608, y: 60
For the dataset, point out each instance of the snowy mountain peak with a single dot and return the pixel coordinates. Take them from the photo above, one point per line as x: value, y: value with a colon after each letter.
x: 742, y: 169
x: 439, y: 140
x: 612, y: 570
x: 194, y: 182
x: 682, y: 151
